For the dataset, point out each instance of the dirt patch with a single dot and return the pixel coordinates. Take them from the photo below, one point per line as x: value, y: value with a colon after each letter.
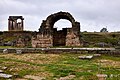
x: 16, y: 66
x: 69, y: 77
x: 34, y: 58
x: 20, y: 79
x: 109, y: 63
x: 34, y: 77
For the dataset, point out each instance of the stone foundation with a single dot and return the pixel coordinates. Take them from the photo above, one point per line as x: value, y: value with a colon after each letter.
x: 72, y: 39
x: 42, y: 41
x: 64, y: 37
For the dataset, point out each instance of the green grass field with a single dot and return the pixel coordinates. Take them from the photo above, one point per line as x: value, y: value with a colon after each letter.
x: 54, y: 66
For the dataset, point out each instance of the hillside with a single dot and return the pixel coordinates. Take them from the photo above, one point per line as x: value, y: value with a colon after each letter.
x: 88, y: 39
x: 96, y: 39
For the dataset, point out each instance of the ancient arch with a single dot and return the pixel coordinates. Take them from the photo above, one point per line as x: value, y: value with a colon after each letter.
x: 60, y: 15
x: 66, y: 37
x: 62, y: 23
x: 51, y: 19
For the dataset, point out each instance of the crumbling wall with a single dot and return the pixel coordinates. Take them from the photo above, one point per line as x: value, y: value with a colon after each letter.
x: 72, y: 39
x: 17, y: 38
x: 67, y: 38
x: 41, y: 40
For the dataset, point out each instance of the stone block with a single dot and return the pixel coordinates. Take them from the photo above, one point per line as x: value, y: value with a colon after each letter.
x: 19, y: 51
x: 5, y: 51
x: 1, y: 71
x: 96, y: 55
x: 85, y: 57
x: 5, y: 75
x: 101, y: 76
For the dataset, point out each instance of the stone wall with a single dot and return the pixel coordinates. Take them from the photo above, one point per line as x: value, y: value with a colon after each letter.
x: 41, y: 40
x: 63, y: 37
x: 17, y: 38
x: 17, y: 33
x: 72, y: 39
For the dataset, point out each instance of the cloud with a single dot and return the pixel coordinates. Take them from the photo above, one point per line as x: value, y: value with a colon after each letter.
x: 92, y: 14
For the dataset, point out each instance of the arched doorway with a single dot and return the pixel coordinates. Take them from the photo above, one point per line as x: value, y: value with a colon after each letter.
x: 59, y: 37
x: 60, y: 31
x: 62, y: 23
x: 64, y: 37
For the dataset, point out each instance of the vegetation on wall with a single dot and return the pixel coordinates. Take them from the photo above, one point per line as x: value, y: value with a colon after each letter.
x: 92, y: 38
x: 88, y: 39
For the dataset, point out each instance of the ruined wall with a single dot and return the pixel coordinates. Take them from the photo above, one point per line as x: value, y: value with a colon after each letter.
x: 17, y: 33
x: 59, y: 38
x: 17, y: 38
x: 72, y: 39
x: 40, y: 40
x: 47, y: 36
x: 20, y: 42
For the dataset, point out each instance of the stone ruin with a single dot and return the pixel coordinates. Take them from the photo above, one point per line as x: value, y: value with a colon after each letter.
x: 14, y: 24
x: 48, y: 36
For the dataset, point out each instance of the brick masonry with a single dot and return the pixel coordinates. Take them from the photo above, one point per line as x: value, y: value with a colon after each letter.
x: 48, y: 36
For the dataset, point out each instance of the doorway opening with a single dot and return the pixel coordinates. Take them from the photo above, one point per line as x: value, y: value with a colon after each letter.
x: 60, y: 31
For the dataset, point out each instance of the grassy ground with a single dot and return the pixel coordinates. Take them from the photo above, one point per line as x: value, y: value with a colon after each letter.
x: 54, y: 66
x: 96, y: 37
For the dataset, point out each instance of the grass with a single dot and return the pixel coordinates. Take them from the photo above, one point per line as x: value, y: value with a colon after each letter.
x: 7, y: 47
x: 53, y: 66
x: 93, y: 37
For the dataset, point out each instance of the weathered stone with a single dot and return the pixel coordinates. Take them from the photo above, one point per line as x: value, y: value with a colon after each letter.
x: 69, y: 77
x: 102, y: 44
x: 96, y: 55
x: 1, y: 71
x: 14, y: 24
x: 34, y: 77
x: 82, y: 57
x: 5, y: 75
x: 19, y: 51
x: 48, y: 36
x: 101, y: 76
x: 15, y: 75
x: 85, y: 57
x: 4, y: 68
x: 42, y: 41
x: 5, y: 51
x: 72, y: 39
x: 89, y: 57
x: 20, y: 42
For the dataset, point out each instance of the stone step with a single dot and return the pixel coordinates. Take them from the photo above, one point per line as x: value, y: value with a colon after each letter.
x: 4, y: 68
x: 85, y: 57
x: 5, y: 75
x: 1, y: 71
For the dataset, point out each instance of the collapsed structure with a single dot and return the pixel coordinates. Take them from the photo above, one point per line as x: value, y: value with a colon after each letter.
x: 15, y: 23
x: 48, y: 36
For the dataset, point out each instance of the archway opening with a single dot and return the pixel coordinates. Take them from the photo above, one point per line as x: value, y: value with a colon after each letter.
x: 60, y: 29
x: 62, y: 23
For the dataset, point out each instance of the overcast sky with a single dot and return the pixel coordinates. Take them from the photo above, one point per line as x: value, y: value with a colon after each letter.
x: 92, y: 14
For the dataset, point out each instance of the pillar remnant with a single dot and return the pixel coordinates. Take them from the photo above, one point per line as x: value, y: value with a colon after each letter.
x: 14, y: 24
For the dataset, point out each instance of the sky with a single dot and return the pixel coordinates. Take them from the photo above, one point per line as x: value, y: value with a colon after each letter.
x: 93, y: 15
